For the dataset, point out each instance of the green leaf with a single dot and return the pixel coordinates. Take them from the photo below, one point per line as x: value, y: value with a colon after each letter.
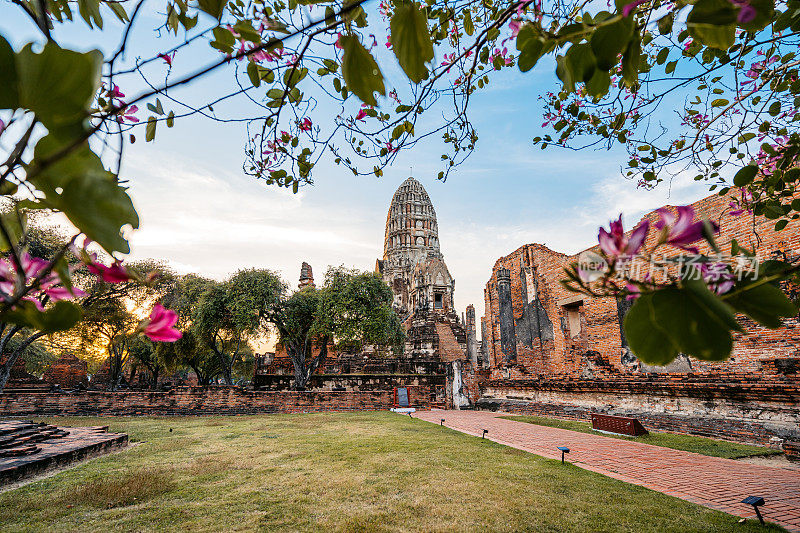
x: 581, y: 62
x: 119, y: 11
x: 469, y: 27
x: 531, y: 47
x: 59, y: 86
x: 611, y: 40
x: 79, y: 186
x: 745, y: 175
x: 713, y: 23
x: 689, y: 320
x: 360, y: 71
x: 62, y: 316
x: 630, y: 61
x: 90, y: 12
x: 765, y: 303
x: 150, y: 129
x: 411, y: 40
x: 246, y: 31
x: 253, y: 74
x: 223, y: 40
x: 15, y: 223
x: 665, y: 23
x: 215, y: 8
x: 9, y: 90
x: 599, y: 84
x: 565, y: 74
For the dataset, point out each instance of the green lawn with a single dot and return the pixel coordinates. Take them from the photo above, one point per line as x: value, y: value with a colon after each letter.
x: 687, y: 443
x: 334, y: 472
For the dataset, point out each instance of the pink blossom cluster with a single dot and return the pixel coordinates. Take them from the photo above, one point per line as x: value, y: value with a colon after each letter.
x: 679, y: 229
x: 115, y: 95
x: 50, y: 287
x: 742, y: 205
x: 274, y: 147
x: 502, y: 54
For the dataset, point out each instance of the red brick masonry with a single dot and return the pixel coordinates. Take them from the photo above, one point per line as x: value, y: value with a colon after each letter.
x: 200, y: 401
x: 709, y: 481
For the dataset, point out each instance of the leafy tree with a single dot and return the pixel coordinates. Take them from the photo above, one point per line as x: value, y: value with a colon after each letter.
x: 44, y: 240
x: 109, y: 322
x: 110, y: 317
x: 189, y: 352
x: 143, y: 353
x: 351, y: 309
x: 221, y: 318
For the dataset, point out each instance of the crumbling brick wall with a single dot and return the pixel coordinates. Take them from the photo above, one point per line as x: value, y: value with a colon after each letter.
x: 587, y: 339
x: 200, y: 401
x: 67, y: 371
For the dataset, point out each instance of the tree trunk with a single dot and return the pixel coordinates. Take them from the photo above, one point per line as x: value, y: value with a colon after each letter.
x: 5, y: 368
x: 5, y: 371
x: 224, y: 364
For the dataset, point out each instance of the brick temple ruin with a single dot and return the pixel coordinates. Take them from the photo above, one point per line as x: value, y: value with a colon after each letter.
x: 542, y: 350
x: 437, y: 339
x: 553, y: 352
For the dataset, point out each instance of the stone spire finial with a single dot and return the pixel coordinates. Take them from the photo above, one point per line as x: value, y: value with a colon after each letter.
x: 306, y: 276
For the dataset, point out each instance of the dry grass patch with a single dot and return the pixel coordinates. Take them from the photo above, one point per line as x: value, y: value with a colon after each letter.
x: 120, y: 490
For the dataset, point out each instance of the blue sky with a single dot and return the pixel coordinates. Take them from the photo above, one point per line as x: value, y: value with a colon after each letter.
x: 202, y: 214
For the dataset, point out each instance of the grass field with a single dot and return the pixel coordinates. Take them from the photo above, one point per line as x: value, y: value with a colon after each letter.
x: 334, y: 472
x: 687, y: 443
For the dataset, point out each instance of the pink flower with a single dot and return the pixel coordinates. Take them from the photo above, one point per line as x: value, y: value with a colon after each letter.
x: 361, y: 114
x: 159, y: 327
x: 388, y: 41
x: 167, y: 58
x: 616, y: 244
x: 634, y: 291
x: 514, y: 26
x: 305, y: 125
x: 115, y: 92
x: 338, y: 43
x: 717, y: 276
x: 2, y: 126
x: 682, y: 230
x: 62, y: 293
x: 746, y: 14
x: 742, y: 206
x: 628, y: 9
x: 116, y: 273
x: 128, y: 113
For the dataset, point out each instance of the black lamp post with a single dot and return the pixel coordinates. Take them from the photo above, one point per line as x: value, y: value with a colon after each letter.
x: 756, y: 502
x: 441, y: 422
x: 485, y: 431
x: 564, y: 450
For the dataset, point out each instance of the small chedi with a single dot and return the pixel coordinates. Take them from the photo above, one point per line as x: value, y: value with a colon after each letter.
x: 550, y: 351
x: 437, y: 341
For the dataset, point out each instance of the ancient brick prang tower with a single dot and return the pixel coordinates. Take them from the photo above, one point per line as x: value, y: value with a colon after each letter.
x: 412, y: 264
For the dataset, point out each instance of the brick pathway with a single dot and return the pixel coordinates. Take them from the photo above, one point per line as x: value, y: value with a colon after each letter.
x: 710, y: 481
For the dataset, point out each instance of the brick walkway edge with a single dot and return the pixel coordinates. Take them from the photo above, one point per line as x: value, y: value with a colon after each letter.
x: 709, y: 481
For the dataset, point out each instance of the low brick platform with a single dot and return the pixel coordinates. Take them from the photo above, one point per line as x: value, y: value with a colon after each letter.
x: 709, y: 481
x: 41, y: 447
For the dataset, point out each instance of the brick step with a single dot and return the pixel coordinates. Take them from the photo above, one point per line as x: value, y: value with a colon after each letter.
x: 19, y: 451
x: 37, y: 433
x: 6, y: 428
